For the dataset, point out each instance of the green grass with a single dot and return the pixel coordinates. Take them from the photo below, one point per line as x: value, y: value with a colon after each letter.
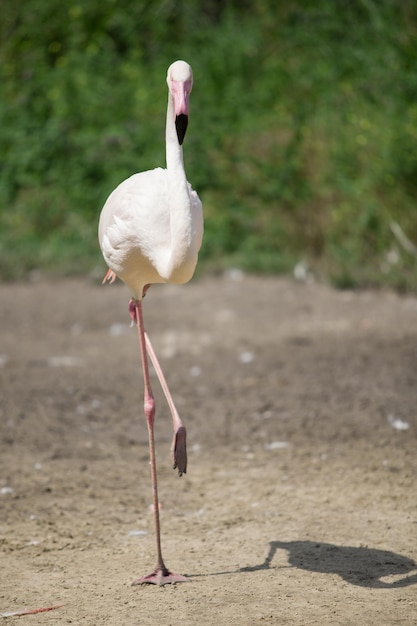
x: 302, y: 141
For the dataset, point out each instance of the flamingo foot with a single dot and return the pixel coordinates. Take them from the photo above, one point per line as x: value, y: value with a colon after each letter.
x: 179, y: 451
x: 110, y: 276
x: 161, y: 576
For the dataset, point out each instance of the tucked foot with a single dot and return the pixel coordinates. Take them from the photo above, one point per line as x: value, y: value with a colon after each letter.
x: 110, y: 276
x: 161, y: 576
x: 179, y: 451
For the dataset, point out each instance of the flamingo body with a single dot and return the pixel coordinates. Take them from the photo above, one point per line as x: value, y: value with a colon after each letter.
x: 135, y: 231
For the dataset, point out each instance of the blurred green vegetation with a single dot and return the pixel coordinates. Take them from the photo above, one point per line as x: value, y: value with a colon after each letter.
x: 302, y: 141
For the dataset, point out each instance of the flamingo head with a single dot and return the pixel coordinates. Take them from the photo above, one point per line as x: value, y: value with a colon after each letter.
x: 180, y: 83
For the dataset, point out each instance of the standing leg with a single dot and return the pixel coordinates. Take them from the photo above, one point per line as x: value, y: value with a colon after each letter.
x: 161, y: 575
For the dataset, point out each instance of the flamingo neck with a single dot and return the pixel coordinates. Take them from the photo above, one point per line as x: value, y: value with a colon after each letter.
x: 174, y: 157
x: 179, y: 200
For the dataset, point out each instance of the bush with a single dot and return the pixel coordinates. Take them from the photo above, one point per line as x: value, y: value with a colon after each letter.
x: 302, y: 141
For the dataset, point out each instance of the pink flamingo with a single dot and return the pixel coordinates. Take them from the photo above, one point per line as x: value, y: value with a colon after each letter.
x: 150, y: 231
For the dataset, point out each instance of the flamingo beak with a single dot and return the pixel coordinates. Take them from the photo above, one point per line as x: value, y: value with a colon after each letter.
x: 181, y: 123
x: 181, y: 94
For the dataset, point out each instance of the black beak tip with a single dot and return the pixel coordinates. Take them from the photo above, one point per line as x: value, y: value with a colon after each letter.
x: 181, y: 123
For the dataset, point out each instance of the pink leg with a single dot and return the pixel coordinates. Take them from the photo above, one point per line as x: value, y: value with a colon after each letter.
x: 179, y: 447
x: 161, y: 575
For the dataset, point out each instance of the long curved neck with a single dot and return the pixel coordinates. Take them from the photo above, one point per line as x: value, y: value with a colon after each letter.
x: 174, y: 158
x: 178, y: 194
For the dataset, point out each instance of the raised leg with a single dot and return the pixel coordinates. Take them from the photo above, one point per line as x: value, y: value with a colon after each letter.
x: 161, y: 575
x: 179, y: 443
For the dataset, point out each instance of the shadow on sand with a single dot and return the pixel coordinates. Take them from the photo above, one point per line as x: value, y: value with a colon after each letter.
x: 358, y: 566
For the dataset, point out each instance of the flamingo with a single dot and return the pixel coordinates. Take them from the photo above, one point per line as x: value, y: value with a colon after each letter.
x: 150, y: 231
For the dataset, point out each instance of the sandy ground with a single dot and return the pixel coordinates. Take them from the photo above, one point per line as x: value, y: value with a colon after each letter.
x: 300, y: 501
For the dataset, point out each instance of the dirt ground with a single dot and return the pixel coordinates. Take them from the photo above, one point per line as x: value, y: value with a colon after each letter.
x: 300, y: 501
